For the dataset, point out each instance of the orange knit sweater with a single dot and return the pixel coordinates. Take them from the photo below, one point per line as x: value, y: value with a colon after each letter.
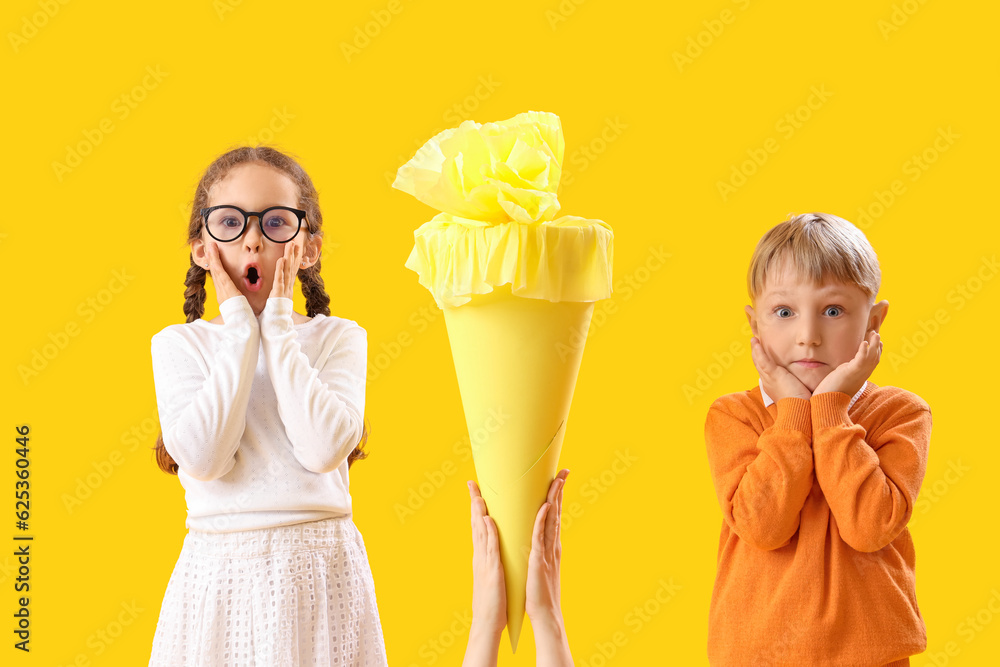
x: 815, y: 564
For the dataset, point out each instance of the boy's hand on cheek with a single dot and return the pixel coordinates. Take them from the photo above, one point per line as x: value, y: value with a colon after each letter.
x: 850, y: 376
x: 778, y: 381
x: 284, y: 273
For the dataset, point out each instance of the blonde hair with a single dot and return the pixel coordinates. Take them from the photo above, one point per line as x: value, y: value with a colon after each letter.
x: 820, y: 246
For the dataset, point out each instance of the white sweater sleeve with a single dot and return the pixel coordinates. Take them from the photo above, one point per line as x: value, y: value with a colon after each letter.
x: 202, y: 400
x: 321, y: 408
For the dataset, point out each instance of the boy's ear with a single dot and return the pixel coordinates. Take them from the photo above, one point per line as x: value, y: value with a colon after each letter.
x: 752, y: 317
x: 877, y: 314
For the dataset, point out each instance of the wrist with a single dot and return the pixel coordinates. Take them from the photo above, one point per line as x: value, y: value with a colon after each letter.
x: 483, y: 646
x: 839, y: 382
x: 778, y: 392
x: 551, y: 643
x: 486, y: 631
x: 549, y: 619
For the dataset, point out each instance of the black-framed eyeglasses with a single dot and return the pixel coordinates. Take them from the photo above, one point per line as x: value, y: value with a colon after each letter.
x: 226, y: 222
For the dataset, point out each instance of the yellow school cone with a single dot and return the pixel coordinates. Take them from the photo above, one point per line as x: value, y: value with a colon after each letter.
x: 517, y: 358
x: 517, y: 288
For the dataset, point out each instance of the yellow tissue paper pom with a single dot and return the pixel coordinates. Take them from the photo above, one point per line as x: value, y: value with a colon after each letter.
x: 494, y: 172
x: 496, y: 186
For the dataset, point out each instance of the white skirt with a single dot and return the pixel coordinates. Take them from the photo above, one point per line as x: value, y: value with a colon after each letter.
x: 293, y: 595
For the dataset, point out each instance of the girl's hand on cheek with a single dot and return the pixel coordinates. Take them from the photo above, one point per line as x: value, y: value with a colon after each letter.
x: 224, y: 286
x: 284, y: 272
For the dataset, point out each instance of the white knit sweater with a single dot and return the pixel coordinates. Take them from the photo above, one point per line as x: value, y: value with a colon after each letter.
x: 261, y: 413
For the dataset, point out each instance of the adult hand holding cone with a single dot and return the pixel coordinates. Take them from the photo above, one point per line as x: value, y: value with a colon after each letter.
x: 517, y: 288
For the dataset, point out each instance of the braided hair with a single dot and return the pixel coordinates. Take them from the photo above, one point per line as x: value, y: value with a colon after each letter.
x: 313, y: 288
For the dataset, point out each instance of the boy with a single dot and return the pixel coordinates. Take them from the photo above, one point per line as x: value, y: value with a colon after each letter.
x: 816, y: 469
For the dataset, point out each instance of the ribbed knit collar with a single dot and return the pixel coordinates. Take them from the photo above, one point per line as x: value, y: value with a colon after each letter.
x: 768, y: 401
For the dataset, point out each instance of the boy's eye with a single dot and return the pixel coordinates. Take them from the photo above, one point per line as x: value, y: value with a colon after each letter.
x: 783, y: 312
x: 836, y: 311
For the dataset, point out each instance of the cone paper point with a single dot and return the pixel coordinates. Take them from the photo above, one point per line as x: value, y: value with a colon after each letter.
x: 517, y: 361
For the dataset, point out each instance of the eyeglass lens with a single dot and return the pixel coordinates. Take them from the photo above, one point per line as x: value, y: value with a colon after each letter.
x: 226, y: 224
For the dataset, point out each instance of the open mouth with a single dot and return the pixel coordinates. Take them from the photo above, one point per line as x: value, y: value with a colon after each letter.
x: 253, y: 280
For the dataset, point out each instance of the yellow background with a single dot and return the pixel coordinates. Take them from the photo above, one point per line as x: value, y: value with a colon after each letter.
x: 660, y: 137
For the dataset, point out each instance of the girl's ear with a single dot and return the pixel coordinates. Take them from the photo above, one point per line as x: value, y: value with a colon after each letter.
x: 198, y: 252
x: 311, y: 251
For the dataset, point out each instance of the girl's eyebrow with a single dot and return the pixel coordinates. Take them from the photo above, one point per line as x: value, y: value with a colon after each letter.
x: 262, y: 209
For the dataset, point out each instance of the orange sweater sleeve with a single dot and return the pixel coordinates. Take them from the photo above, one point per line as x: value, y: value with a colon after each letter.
x: 762, y: 478
x: 870, y: 480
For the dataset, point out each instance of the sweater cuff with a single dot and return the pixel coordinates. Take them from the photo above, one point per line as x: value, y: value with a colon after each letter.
x: 277, y: 310
x: 794, y: 415
x: 830, y: 409
x: 236, y: 309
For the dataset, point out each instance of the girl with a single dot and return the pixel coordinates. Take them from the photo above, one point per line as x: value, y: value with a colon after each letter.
x: 261, y: 409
